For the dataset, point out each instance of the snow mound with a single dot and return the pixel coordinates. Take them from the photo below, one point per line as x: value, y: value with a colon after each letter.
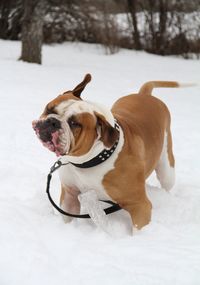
x: 36, y: 247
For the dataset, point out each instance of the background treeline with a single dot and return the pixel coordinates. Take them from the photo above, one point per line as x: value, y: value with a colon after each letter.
x: 158, y: 26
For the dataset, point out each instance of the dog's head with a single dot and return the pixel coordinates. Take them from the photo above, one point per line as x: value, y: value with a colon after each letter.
x: 72, y: 126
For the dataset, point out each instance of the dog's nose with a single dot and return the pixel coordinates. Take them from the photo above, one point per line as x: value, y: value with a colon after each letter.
x: 53, y: 124
x: 47, y: 127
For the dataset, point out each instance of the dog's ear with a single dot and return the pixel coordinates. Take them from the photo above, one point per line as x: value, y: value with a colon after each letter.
x: 108, y: 134
x: 80, y: 87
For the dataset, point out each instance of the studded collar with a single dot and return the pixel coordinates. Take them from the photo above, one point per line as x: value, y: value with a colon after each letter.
x: 101, y: 157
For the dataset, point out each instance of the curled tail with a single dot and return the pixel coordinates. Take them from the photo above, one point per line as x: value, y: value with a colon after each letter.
x: 147, y: 88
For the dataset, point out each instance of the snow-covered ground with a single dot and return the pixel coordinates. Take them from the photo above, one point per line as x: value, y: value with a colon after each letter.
x: 36, y: 247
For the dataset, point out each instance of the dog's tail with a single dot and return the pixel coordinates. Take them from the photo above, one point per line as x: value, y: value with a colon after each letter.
x: 147, y: 87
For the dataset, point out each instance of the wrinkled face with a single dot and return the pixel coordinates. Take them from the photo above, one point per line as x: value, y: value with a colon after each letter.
x: 71, y: 126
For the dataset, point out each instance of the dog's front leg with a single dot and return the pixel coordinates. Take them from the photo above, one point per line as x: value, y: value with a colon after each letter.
x: 69, y: 202
x: 139, y: 208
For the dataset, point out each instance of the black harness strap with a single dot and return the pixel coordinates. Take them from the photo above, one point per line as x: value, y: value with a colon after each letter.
x: 115, y: 207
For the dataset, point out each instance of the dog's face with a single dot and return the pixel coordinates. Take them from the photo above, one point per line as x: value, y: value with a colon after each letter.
x: 71, y: 126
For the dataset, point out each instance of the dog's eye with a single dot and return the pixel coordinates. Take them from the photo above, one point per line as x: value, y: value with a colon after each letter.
x: 73, y: 123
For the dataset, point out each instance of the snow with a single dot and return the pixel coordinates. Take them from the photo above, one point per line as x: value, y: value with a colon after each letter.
x: 36, y: 247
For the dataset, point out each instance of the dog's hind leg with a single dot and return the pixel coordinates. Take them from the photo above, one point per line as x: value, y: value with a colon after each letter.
x: 165, y: 169
x: 69, y: 202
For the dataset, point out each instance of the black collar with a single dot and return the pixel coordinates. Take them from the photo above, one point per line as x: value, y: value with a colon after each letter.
x: 101, y: 157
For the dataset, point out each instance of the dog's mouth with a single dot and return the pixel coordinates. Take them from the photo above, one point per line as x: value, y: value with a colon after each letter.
x: 50, y: 140
x: 53, y: 144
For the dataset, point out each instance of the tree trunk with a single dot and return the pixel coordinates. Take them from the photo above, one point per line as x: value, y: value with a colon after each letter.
x: 4, y: 15
x: 133, y: 11
x: 161, y: 40
x: 32, y: 30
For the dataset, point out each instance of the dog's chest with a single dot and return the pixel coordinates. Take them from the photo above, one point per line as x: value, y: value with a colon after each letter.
x: 86, y: 179
x: 91, y: 178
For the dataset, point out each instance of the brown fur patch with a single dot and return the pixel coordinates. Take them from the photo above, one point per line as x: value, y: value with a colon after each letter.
x: 109, y: 135
x: 144, y: 120
x: 147, y: 87
x: 85, y: 135
x: 81, y: 86
x: 169, y: 149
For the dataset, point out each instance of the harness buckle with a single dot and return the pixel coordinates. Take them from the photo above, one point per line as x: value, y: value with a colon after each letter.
x: 56, y: 165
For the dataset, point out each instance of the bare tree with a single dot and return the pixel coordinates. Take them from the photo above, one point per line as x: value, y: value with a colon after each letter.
x: 157, y: 26
x: 132, y: 9
x: 157, y: 17
x: 4, y: 15
x: 162, y: 27
x: 32, y: 30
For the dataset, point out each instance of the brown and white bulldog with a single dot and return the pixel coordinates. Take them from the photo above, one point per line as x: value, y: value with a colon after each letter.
x: 131, y: 141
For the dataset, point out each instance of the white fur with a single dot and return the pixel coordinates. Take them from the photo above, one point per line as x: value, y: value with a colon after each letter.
x: 63, y: 106
x: 104, y: 111
x: 165, y: 173
x: 187, y: 84
x: 70, y: 107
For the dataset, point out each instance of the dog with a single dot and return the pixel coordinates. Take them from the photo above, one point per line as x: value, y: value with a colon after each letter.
x: 110, y: 151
